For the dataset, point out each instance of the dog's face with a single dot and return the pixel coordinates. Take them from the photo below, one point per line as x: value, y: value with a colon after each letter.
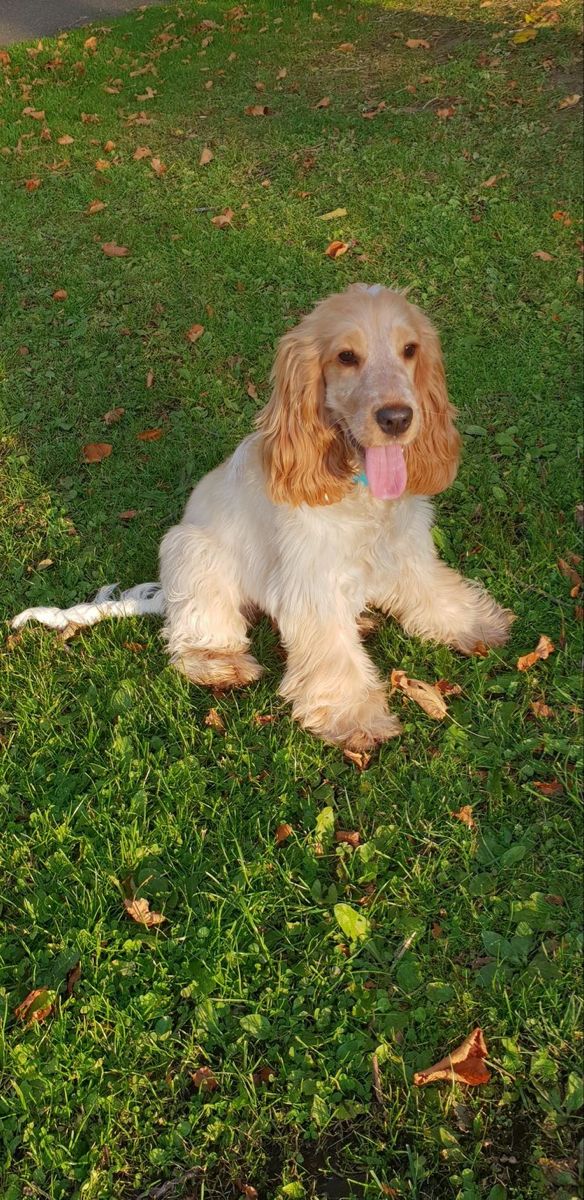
x: 359, y: 385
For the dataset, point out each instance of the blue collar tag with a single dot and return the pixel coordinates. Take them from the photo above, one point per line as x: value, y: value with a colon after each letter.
x: 362, y: 478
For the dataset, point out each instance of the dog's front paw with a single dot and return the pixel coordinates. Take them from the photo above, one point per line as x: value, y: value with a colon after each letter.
x: 366, y: 725
x: 492, y: 628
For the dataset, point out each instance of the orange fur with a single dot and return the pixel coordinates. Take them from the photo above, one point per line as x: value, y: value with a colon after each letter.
x: 432, y: 459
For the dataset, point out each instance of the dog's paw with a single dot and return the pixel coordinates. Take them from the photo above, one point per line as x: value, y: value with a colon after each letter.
x: 491, y: 629
x: 219, y: 670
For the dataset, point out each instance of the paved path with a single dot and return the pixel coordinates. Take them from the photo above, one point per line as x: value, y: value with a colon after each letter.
x: 20, y: 19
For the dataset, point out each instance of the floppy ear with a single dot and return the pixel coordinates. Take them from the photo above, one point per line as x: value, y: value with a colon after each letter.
x: 432, y: 459
x: 305, y: 458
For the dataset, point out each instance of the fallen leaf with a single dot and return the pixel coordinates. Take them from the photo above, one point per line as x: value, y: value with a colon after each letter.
x: 246, y: 1189
x: 204, y: 1079
x: 282, y: 832
x: 73, y: 977
x: 425, y: 694
x: 194, y: 333
x: 90, y: 44
x: 149, y: 94
x: 324, y: 103
x: 141, y: 152
x: 464, y: 1065
x: 158, y: 167
x: 524, y: 35
x: 128, y: 514
x: 37, y: 114
x: 94, y: 207
x: 149, y: 379
x: 417, y: 44
x: 134, y: 647
x: 207, y: 156
x: 569, y: 573
x: 373, y: 112
x: 282, y: 73
x: 448, y: 689
x: 259, y: 86
x: 111, y: 91
x: 491, y: 181
x: 109, y: 146
x: 113, y: 415
x: 59, y: 166
x: 570, y: 101
x: 436, y: 930
x: 464, y: 814
x: 44, y: 564
x: 65, y: 140
x: 251, y: 390
x: 150, y: 435
x: 139, y: 911
x: 543, y: 650
x: 4, y: 58
x: 346, y: 47
x: 551, y: 787
x: 257, y: 110
x: 543, y: 255
x: 540, y: 709
x: 223, y: 219
x: 95, y: 452
x: 102, y: 164
x: 359, y: 758
x: 261, y: 719
x: 558, y: 901
x: 89, y: 118
x: 335, y: 212
x: 113, y: 250
x: 445, y: 113
x: 31, y: 185
x: 35, y: 1007
x: 264, y: 1075
x: 335, y: 249
x: 214, y: 720
x: 60, y: 294
x: 348, y: 837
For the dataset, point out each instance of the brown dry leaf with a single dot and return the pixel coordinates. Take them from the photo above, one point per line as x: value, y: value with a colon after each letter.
x: 570, y: 101
x: 550, y: 788
x: 113, y: 250
x: 465, y: 1064
x: 348, y: 837
x: 141, y: 152
x: 448, y: 689
x: 139, y: 911
x: 464, y: 814
x: 60, y: 294
x: 543, y: 255
x: 73, y: 977
x: 150, y: 379
x: 336, y: 249
x: 111, y: 91
x: 102, y: 164
x: 37, y: 114
x: 558, y: 901
x: 94, y: 207
x: 374, y: 112
x: 417, y: 44
x: 540, y: 709
x: 491, y: 181
x: 444, y: 114
x: 207, y: 156
x: 346, y: 47
x: 257, y: 110
x: 425, y: 694
x: 259, y: 86
x: 31, y: 185
x: 436, y: 930
x: 60, y: 165
x: 251, y: 390
x: 35, y: 1007
x: 248, y: 1190
x: 282, y: 73
x: 569, y: 573
x: 324, y: 103
x: 89, y: 118
x: 128, y: 514
x: 149, y: 94
x: 264, y: 1075
x: 90, y: 44
x: 113, y: 415
x: 204, y: 1079
x: 359, y: 758
x: 544, y: 648
x: 95, y: 452
x: 134, y: 647
x: 158, y: 167
x: 4, y: 58
x: 194, y: 333
x: 223, y: 219
x: 109, y: 146
x: 65, y: 140
x: 283, y: 832
x: 214, y: 720
x: 150, y: 435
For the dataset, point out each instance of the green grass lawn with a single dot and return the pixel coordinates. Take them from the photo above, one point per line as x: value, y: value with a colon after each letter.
x: 111, y: 779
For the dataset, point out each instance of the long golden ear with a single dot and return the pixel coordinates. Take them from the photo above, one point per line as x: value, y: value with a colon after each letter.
x: 306, y: 459
x: 432, y: 459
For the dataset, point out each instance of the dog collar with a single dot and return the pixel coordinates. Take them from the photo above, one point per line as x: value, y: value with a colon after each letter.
x: 361, y: 478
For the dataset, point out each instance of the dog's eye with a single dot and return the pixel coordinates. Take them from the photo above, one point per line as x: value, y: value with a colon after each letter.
x: 348, y: 358
x: 410, y: 349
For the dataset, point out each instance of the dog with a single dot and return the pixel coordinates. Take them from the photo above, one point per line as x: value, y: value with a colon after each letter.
x: 318, y: 515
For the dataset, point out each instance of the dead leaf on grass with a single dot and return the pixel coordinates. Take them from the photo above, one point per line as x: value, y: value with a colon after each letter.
x: 141, y: 152
x: 464, y: 814
x: 282, y: 73
x: 282, y: 833
x: 109, y: 146
x: 570, y: 101
x: 207, y: 156
x: 540, y: 709
x: 113, y: 415
x: 425, y: 694
x: 95, y: 452
x: 37, y: 114
x: 90, y: 44
x: 35, y: 1007
x: 32, y: 185
x: 417, y: 44
x: 346, y: 47
x: 158, y: 167
x: 223, y: 219
x: 370, y: 113
x: 257, y: 110
x: 324, y: 103
x: 60, y: 294
x: 102, y: 164
x: 570, y: 574
x: 140, y: 911
x: 94, y: 207
x: 194, y: 333
x: 336, y: 249
x: 544, y: 648
x: 251, y: 390
x: 448, y: 689
x: 359, y: 758
x: 465, y: 1064
x: 523, y: 36
x: 548, y: 787
x: 214, y: 720
x: 65, y: 140
x: 128, y: 514
x: 112, y: 250
x: 150, y: 435
x: 348, y: 837
x: 444, y: 114
x: 264, y: 1075
x: 543, y: 255
x: 204, y: 1079
x: 335, y: 212
x: 149, y: 94
x: 134, y: 647
x: 89, y: 118
x: 73, y: 977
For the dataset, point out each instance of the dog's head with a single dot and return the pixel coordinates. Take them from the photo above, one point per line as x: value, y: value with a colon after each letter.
x: 359, y: 385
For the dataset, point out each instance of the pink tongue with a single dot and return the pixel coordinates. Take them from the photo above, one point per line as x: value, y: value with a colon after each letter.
x: 385, y: 467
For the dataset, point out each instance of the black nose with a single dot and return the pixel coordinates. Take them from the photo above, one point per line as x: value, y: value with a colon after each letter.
x: 394, y: 418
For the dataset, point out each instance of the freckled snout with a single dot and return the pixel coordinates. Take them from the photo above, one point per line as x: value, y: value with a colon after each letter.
x: 394, y: 419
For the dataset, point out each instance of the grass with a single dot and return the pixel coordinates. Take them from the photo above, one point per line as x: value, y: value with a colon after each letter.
x: 110, y: 777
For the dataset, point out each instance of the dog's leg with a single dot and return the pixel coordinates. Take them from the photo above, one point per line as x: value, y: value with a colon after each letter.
x: 332, y: 684
x: 205, y: 630
x: 437, y: 604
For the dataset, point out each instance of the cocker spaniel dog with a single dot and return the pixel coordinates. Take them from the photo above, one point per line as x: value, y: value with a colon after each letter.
x: 318, y: 515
